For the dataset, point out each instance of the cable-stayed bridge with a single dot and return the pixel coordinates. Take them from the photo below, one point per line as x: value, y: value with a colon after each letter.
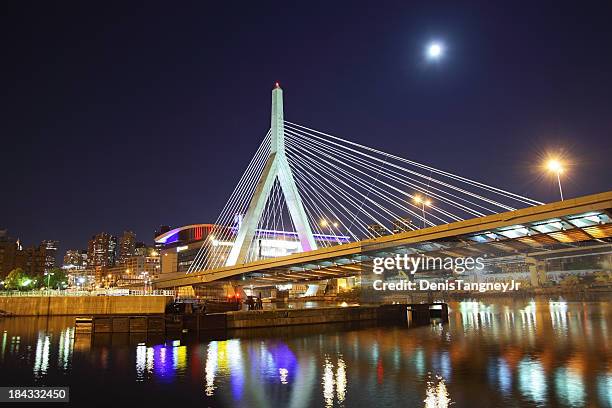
x: 311, y: 206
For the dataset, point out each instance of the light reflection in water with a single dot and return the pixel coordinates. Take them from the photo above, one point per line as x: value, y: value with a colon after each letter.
x: 41, y: 359
x: 236, y: 368
x: 283, y: 375
x: 149, y: 359
x: 419, y: 361
x: 604, y: 389
x: 570, y: 387
x: 331, y: 381
x: 441, y: 363
x: 328, y: 383
x: 504, y: 376
x: 14, y: 347
x: 65, y: 348
x: 210, y: 368
x: 436, y: 394
x: 528, y: 316
x: 532, y: 380
x: 162, y: 361
x: 271, y: 360
x: 4, y: 337
x: 564, y: 359
x: 558, y: 315
x: 141, y: 356
x: 341, y: 380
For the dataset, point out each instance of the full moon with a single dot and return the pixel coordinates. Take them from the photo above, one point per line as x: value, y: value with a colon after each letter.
x: 434, y: 50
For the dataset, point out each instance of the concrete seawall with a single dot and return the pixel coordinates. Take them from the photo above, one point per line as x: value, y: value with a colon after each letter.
x: 84, y: 305
x: 275, y: 318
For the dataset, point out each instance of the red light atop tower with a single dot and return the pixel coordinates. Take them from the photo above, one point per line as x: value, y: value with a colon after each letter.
x: 276, y: 85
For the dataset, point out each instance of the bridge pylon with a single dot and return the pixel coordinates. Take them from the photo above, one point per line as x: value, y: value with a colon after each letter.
x: 276, y: 167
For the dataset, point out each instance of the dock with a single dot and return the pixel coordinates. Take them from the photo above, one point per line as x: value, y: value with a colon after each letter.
x: 411, y: 314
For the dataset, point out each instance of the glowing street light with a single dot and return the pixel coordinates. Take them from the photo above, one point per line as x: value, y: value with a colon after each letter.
x: 330, y: 226
x: 424, y: 202
x: 555, y: 166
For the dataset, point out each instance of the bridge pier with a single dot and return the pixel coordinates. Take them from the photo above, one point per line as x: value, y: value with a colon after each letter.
x: 537, y: 271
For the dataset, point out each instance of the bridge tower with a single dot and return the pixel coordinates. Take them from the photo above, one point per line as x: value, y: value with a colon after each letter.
x: 276, y: 166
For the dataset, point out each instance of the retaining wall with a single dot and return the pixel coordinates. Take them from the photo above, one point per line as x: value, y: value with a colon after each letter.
x: 84, y: 305
x: 274, y: 318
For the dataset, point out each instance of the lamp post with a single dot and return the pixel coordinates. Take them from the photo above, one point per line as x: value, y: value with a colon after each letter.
x: 146, y: 281
x: 555, y: 166
x: 329, y: 224
x: 48, y: 278
x: 80, y: 282
x: 423, y: 202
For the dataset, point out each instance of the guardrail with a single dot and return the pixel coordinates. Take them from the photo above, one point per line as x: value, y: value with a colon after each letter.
x: 103, y: 292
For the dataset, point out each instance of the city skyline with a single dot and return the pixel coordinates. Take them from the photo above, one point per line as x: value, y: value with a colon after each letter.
x: 140, y: 140
x: 306, y: 204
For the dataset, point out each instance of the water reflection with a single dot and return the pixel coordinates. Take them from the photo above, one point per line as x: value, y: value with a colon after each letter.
x: 162, y: 361
x: 532, y: 380
x: 570, y: 387
x: 508, y: 353
x: 328, y: 383
x: 211, y: 367
x: 437, y: 395
x: 334, y: 382
x: 41, y: 362
x: 3, y: 349
x: 604, y: 389
x: 66, y: 342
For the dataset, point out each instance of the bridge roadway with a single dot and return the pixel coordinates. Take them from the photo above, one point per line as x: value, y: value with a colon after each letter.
x: 570, y: 226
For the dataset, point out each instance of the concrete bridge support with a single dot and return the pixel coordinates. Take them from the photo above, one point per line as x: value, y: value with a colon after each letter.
x: 537, y: 271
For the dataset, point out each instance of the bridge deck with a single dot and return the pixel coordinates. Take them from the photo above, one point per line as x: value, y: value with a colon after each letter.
x: 470, y: 237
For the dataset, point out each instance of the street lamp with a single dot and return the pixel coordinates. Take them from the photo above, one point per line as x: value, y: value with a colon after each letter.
x: 48, y: 277
x: 423, y: 202
x: 555, y: 166
x: 329, y: 225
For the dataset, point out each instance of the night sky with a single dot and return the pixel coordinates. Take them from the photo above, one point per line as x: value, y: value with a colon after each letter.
x: 127, y: 116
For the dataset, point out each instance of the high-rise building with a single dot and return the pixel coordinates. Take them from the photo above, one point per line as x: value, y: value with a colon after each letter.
x: 74, y: 259
x: 378, y: 230
x: 140, y: 249
x: 50, y: 249
x: 84, y: 258
x: 35, y: 260
x: 402, y: 225
x: 101, y: 251
x: 8, y: 252
x: 127, y: 245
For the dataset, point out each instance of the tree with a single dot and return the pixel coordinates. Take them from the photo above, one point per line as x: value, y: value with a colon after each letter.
x: 18, y: 279
x: 56, y: 279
